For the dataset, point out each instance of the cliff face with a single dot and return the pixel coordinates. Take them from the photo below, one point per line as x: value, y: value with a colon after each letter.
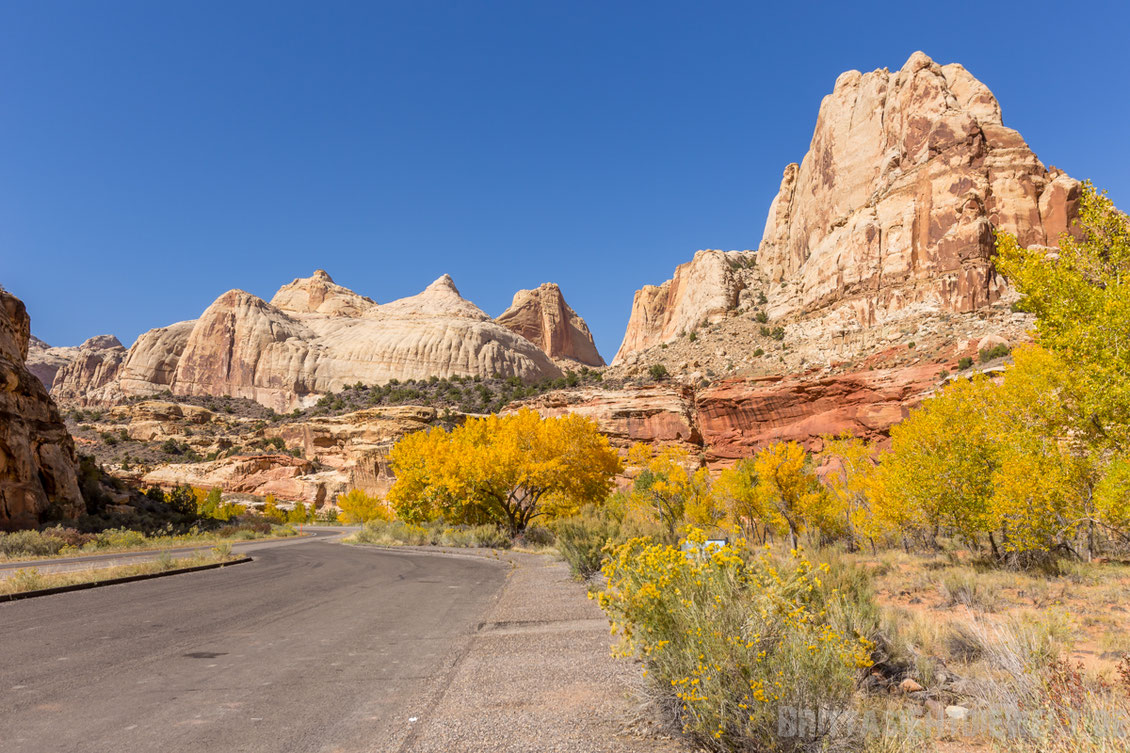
x: 707, y: 286
x: 544, y: 318
x: 892, y: 211
x: 38, y: 480
x: 889, y: 217
x: 91, y: 376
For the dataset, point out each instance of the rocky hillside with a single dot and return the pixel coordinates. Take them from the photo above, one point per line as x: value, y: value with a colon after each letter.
x: 38, y: 478
x: 314, y: 337
x: 883, y: 233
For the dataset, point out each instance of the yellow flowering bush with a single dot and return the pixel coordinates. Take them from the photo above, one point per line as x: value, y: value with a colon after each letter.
x: 730, y: 636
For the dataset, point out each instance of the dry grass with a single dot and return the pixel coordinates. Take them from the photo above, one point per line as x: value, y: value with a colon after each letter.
x: 990, y: 639
x: 31, y: 579
x: 58, y: 542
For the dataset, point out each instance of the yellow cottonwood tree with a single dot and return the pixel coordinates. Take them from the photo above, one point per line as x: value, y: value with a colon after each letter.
x: 1081, y: 298
x: 737, y: 490
x: 668, y: 492
x: 501, y: 468
x: 359, y: 507
x: 939, y: 469
x: 847, y: 480
x: 792, y: 491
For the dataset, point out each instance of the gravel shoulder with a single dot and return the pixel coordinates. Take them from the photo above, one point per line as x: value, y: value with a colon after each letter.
x: 538, y: 675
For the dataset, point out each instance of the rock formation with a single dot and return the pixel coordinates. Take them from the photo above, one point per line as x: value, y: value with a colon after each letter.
x: 314, y: 337
x: 707, y: 286
x: 91, y: 377
x: 45, y: 361
x: 732, y: 418
x: 544, y: 318
x: 890, y: 216
x: 891, y: 213
x: 38, y: 480
x: 338, y: 453
x: 319, y: 294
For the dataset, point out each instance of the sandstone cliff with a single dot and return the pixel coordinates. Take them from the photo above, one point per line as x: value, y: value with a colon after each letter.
x: 45, y: 361
x: 37, y: 459
x: 544, y: 318
x: 733, y: 418
x: 91, y: 377
x: 314, y: 337
x: 892, y: 211
x: 702, y: 289
x: 888, y: 220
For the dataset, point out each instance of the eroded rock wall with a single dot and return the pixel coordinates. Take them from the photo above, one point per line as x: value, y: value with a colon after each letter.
x: 38, y: 479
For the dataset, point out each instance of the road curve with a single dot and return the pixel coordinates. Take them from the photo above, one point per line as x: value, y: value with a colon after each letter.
x: 314, y: 646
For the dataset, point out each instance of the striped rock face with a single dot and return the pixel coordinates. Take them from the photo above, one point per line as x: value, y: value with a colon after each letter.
x: 889, y: 218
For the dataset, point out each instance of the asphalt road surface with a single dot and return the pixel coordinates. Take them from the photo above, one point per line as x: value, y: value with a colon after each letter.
x: 314, y: 646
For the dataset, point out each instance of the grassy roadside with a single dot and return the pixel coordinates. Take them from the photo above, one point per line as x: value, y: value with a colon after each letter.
x: 55, y: 543
x: 30, y: 579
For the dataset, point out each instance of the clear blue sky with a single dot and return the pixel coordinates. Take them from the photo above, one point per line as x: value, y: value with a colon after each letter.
x: 155, y: 154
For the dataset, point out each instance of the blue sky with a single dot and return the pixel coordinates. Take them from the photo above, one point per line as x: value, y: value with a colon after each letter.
x: 156, y: 154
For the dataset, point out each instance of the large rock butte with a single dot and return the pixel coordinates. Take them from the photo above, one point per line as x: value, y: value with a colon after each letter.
x: 889, y: 216
x: 544, y: 318
x: 315, y: 337
x: 38, y: 480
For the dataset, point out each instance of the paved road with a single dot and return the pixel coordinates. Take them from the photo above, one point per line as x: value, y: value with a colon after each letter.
x: 314, y: 646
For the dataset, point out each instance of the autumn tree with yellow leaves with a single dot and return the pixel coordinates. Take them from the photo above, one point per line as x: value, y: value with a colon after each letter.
x: 668, y: 492
x: 795, y: 499
x: 1031, y: 463
x: 508, y: 469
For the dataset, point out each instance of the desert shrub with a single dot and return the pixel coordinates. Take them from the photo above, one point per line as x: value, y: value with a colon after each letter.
x: 734, y: 641
x: 997, y: 351
x: 966, y: 588
x: 581, y: 540
x: 434, y: 533
x: 392, y: 533
x: 30, y: 544
x: 692, y: 336
x: 758, y: 353
x: 657, y: 371
x: 538, y: 535
x: 26, y: 579
x: 761, y: 317
x: 118, y: 538
x: 964, y: 363
x: 486, y: 535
